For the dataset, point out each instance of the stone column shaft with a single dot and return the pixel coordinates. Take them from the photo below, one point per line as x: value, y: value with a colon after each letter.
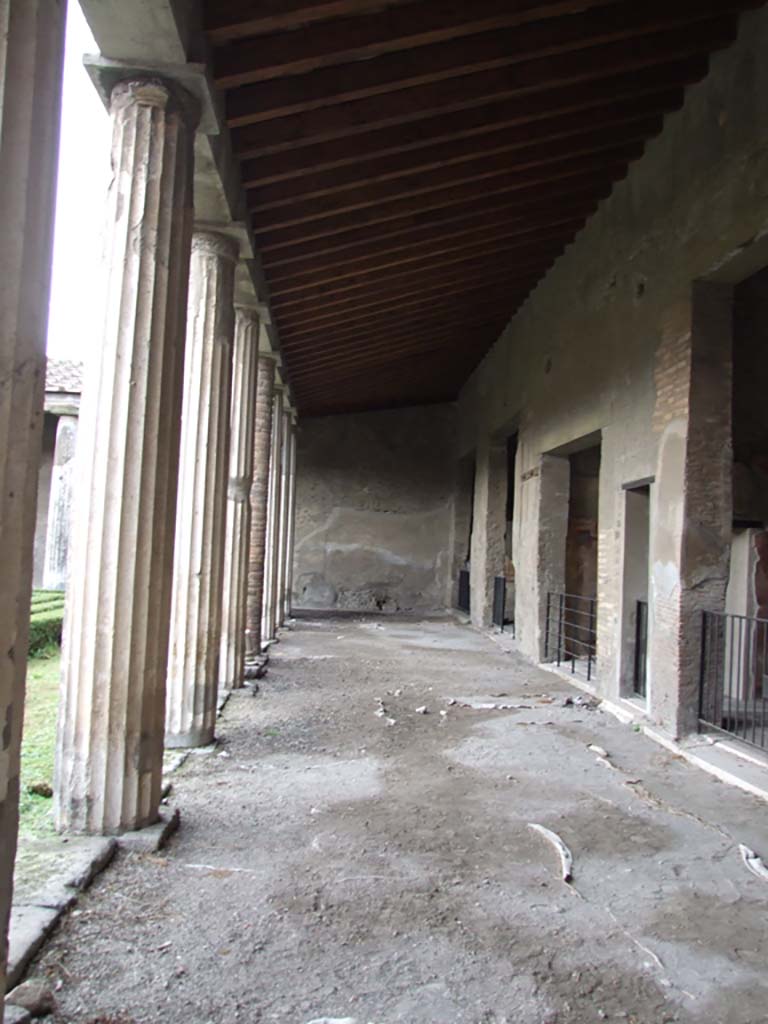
x: 282, y: 564
x: 291, y: 524
x: 268, y: 625
x: 262, y: 439
x: 56, y: 568
x: 110, y: 737
x: 31, y: 58
x: 235, y: 585
x: 193, y: 659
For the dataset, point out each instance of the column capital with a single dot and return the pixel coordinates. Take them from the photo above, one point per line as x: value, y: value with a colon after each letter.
x: 250, y: 314
x: 187, y: 84
x: 154, y: 92
x: 213, y: 243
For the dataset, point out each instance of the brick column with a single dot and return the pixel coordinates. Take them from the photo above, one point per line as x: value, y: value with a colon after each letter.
x: 198, y: 569
x: 31, y: 57
x: 234, y: 589
x: 262, y: 437
x: 110, y: 740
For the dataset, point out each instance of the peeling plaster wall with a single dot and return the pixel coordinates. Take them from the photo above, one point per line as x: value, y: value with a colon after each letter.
x: 606, y: 342
x: 375, y: 510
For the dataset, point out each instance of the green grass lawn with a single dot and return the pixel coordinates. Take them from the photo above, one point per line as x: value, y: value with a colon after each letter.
x: 39, y: 740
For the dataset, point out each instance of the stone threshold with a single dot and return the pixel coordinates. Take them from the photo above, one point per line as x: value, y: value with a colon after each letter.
x: 727, y: 759
x: 732, y: 762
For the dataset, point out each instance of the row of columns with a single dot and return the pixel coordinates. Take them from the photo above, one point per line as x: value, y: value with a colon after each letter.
x: 180, y: 532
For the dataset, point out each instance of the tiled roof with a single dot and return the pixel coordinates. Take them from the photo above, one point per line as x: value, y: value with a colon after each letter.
x: 64, y: 375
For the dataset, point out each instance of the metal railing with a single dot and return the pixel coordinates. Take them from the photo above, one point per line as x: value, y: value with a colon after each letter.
x: 641, y: 649
x: 571, y: 631
x: 499, y: 600
x: 733, y: 687
x: 462, y: 601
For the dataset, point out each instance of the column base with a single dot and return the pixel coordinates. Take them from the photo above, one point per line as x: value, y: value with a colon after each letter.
x: 184, y: 740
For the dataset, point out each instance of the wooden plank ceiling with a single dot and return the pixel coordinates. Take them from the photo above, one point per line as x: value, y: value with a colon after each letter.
x: 414, y: 167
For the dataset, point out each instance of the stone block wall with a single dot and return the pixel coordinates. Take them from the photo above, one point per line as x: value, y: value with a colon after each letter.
x: 375, y: 511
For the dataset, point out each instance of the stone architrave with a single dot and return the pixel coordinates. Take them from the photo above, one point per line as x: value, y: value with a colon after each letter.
x: 268, y: 625
x: 262, y: 442
x: 31, y: 59
x: 56, y: 569
x: 238, y: 528
x: 109, y: 754
x: 193, y: 657
x: 291, y: 522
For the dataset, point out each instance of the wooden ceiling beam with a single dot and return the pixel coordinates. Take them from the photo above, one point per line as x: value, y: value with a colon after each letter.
x: 506, y: 139
x: 326, y: 273
x: 473, y: 122
x: 434, y: 224
x: 371, y: 287
x: 483, y: 169
x: 458, y: 298
x: 429, y: 286
x: 227, y: 21
x: 345, y: 40
x: 394, y: 328
x: 455, y: 365
x: 298, y: 94
x: 541, y: 74
x: 415, y: 342
x: 608, y: 166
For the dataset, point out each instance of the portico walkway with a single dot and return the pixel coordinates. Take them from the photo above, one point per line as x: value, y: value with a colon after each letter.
x: 331, y: 864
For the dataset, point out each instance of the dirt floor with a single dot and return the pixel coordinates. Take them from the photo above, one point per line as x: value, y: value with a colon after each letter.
x: 331, y: 864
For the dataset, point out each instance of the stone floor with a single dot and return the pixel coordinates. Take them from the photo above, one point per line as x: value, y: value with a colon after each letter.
x: 338, y: 862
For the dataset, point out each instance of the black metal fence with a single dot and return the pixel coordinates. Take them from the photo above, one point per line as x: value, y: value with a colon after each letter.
x: 733, y: 689
x: 499, y: 600
x: 462, y: 602
x: 571, y: 631
x: 641, y: 649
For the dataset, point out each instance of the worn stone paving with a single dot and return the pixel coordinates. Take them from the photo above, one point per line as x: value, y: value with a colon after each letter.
x: 330, y: 864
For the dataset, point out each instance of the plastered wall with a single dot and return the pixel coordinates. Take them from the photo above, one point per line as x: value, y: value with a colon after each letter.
x: 607, y: 345
x: 375, y: 511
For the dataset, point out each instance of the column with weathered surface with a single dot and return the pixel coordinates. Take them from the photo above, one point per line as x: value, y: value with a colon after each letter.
x: 282, y: 541
x: 234, y: 588
x: 262, y: 440
x: 193, y: 657
x: 110, y: 741
x: 31, y: 56
x: 56, y: 568
x: 291, y: 521
x: 268, y: 625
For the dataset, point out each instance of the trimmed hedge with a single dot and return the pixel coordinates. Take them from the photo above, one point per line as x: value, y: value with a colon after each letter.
x: 46, y: 620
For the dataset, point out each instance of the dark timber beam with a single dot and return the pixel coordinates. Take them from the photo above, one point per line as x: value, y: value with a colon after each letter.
x: 456, y: 94
x: 352, y: 39
x: 416, y: 68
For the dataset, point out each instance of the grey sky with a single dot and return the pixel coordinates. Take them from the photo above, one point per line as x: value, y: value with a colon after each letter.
x: 84, y: 170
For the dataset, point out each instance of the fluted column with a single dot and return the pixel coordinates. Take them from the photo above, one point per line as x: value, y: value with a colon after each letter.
x: 282, y: 538
x: 193, y: 657
x: 235, y: 583
x: 110, y: 739
x: 273, y: 520
x: 288, y: 597
x: 262, y: 440
x: 56, y: 568
x: 31, y: 55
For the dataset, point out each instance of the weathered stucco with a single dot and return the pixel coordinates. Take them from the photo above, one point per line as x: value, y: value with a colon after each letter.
x: 608, y: 343
x: 374, y: 517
